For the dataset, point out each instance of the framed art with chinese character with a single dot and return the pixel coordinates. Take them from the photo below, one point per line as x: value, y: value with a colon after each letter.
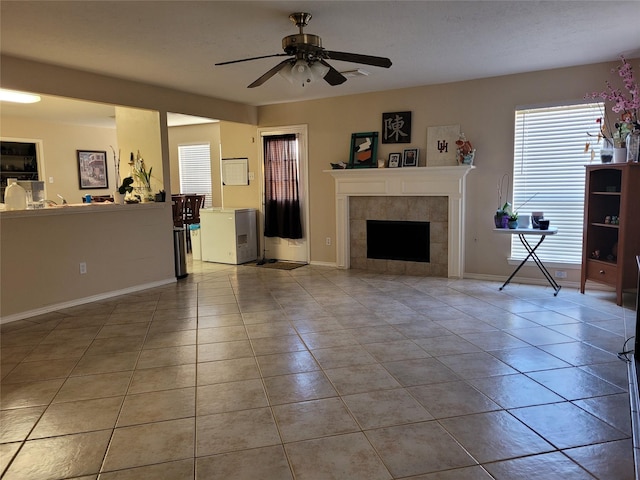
x: 364, y: 147
x: 410, y: 157
x: 396, y: 127
x: 441, y: 145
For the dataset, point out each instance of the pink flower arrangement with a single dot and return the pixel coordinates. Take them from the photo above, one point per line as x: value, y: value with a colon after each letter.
x: 627, y: 104
x: 615, y: 95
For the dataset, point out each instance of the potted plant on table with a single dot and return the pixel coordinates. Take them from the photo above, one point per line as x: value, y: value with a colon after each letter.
x: 143, y: 177
x: 513, y: 220
x: 501, y: 217
x: 124, y: 189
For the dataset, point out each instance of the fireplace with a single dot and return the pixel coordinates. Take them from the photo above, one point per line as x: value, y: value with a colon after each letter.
x: 398, y: 240
x: 403, y: 213
x: 444, y: 185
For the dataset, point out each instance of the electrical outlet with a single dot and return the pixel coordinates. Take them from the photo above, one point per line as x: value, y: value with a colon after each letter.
x: 328, y: 241
x: 83, y: 268
x: 50, y: 179
x: 252, y: 176
x: 561, y: 274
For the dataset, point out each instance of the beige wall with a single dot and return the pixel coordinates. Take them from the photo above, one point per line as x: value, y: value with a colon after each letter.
x: 190, y: 134
x: 485, y: 111
x: 241, y: 141
x: 59, y: 159
x: 233, y: 140
x: 139, y: 132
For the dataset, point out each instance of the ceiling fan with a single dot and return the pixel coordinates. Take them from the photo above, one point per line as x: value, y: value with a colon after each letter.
x: 308, y: 58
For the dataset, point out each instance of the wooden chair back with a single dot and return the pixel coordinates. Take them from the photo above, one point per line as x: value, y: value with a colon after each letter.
x: 192, y: 206
x: 178, y: 203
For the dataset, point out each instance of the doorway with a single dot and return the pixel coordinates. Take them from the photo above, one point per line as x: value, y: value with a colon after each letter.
x: 292, y: 250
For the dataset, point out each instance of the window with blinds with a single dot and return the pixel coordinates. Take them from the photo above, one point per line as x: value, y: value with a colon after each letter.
x: 195, y: 170
x: 549, y: 173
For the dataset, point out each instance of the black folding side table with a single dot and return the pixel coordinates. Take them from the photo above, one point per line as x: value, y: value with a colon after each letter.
x: 534, y: 232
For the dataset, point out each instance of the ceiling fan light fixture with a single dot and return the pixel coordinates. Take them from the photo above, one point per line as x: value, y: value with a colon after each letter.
x: 318, y: 70
x: 302, y: 73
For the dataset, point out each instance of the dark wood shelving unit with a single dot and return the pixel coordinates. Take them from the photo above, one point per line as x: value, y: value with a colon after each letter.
x: 611, y: 190
x: 17, y: 160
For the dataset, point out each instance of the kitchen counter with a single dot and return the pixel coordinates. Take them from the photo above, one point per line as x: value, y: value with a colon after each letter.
x: 80, y: 208
x: 122, y: 249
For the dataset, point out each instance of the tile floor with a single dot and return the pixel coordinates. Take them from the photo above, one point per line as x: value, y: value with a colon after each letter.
x: 317, y: 373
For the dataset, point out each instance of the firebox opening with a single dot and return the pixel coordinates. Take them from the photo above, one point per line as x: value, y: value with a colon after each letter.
x: 398, y: 240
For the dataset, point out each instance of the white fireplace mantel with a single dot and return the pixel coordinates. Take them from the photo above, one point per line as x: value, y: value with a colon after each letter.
x: 395, y: 182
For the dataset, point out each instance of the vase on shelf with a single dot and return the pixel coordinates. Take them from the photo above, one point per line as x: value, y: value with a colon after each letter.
x: 633, y: 146
x: 619, y: 155
x: 606, y: 152
x: 145, y: 194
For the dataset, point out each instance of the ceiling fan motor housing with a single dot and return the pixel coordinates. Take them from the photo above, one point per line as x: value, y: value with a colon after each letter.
x: 302, y: 42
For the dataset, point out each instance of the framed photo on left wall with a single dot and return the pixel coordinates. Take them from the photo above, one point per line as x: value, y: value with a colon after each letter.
x: 92, y: 169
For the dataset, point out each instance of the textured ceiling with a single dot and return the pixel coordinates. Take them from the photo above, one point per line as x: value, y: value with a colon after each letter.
x: 176, y: 43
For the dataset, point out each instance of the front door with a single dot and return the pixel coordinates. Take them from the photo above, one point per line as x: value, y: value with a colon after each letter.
x: 293, y: 250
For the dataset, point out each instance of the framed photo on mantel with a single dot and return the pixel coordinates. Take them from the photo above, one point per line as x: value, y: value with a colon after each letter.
x: 441, y: 145
x: 395, y: 160
x: 410, y: 157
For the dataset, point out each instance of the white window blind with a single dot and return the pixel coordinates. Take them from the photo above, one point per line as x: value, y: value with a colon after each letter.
x: 195, y: 170
x: 549, y: 173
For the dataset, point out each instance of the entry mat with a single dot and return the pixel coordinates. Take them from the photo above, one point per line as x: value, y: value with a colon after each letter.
x: 277, y: 264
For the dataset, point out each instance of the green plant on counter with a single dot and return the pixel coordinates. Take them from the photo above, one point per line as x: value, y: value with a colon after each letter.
x: 140, y: 172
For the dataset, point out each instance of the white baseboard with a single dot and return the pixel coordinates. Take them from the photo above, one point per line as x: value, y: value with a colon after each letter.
x: 81, y: 301
x: 323, y: 264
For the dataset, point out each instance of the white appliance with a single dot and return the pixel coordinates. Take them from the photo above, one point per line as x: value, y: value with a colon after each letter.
x: 228, y: 235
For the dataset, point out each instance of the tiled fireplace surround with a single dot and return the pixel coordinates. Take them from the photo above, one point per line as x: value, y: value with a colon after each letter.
x: 432, y: 194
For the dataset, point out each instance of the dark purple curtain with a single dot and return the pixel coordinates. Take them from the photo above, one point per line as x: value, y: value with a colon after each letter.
x: 282, y: 201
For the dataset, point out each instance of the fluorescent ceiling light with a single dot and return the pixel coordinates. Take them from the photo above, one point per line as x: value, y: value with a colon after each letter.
x: 18, y: 97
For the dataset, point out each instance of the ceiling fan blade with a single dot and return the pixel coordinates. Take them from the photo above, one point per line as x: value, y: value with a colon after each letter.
x: 252, y: 58
x: 270, y: 73
x: 357, y: 58
x: 333, y: 77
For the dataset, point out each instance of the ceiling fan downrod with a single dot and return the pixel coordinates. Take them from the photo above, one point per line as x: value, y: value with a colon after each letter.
x: 300, y: 19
